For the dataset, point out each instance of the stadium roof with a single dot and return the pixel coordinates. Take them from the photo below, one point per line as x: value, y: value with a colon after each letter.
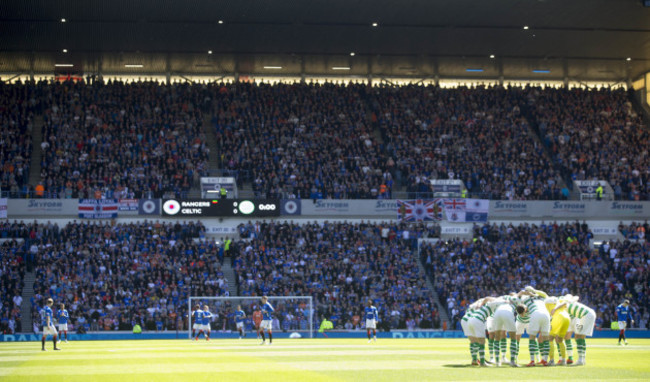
x: 579, y: 39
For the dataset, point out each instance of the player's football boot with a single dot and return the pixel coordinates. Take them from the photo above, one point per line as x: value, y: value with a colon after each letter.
x: 550, y: 363
x: 560, y: 363
x: 569, y: 361
x: 475, y: 362
x: 514, y: 364
x: 531, y: 364
x: 543, y: 363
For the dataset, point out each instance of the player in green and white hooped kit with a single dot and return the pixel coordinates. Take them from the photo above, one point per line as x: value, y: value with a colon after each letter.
x: 584, y: 327
x: 476, y: 323
x: 504, y: 323
x: 521, y: 324
x: 540, y: 323
x: 473, y: 342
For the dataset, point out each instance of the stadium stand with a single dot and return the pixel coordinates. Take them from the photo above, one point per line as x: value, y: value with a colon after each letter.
x: 18, y: 104
x: 553, y: 257
x: 122, y: 140
x: 341, y: 265
x: 595, y: 134
x: 476, y: 135
x: 306, y: 141
x: 112, y: 276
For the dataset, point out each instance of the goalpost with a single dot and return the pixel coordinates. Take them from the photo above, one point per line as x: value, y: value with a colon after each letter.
x: 292, y: 313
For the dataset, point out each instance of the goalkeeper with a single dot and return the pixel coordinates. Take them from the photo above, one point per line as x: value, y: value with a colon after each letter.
x: 325, y: 325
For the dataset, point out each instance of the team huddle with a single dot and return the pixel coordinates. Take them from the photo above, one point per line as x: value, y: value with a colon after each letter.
x: 548, y: 320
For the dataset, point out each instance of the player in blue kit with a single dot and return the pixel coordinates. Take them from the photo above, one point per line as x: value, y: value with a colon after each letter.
x: 197, y: 318
x: 623, y: 313
x: 62, y: 317
x: 372, y: 316
x: 207, y: 318
x: 239, y: 320
x: 267, y: 320
x: 48, y: 324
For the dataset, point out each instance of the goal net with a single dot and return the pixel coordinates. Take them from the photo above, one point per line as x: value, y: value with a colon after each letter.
x: 292, y: 314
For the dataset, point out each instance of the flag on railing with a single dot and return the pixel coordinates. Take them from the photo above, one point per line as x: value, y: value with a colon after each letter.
x: 98, y: 208
x: 418, y: 209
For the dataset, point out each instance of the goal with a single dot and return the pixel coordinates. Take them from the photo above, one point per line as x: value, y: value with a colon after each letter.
x: 292, y: 313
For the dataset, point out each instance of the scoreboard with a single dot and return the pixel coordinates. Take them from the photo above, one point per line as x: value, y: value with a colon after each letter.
x: 220, y: 207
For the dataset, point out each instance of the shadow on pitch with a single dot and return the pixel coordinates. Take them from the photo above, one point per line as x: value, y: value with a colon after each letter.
x: 460, y: 366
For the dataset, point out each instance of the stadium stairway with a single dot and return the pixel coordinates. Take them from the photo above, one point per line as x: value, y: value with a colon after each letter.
x: 26, y: 306
x: 211, y: 143
x: 442, y: 310
x: 229, y: 274
x: 37, y: 153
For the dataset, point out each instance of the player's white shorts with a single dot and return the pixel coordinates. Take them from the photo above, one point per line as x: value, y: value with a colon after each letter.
x: 465, y: 325
x: 476, y: 327
x: 196, y: 326
x: 240, y: 325
x: 205, y: 328
x: 266, y: 325
x: 371, y: 324
x: 540, y: 322
x: 49, y: 331
x: 521, y: 327
x: 572, y: 325
x: 63, y: 327
x: 585, y: 325
x: 504, y: 319
x: 622, y: 325
x: 489, y: 324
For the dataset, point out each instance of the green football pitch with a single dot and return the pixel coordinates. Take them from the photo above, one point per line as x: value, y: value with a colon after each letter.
x: 300, y: 360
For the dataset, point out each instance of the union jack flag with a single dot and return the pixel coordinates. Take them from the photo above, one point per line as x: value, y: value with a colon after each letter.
x: 415, y: 210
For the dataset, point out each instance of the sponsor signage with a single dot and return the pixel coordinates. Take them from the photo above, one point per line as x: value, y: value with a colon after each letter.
x: 569, y: 209
x: 220, y: 208
x: 42, y: 207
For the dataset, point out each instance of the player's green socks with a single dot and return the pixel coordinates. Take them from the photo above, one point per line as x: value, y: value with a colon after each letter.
x: 497, y: 351
x: 532, y: 348
x: 569, y: 348
x: 473, y: 350
x: 513, y: 350
x: 582, y: 347
x: 546, y: 347
x: 481, y: 352
x: 491, y: 347
x: 504, y: 347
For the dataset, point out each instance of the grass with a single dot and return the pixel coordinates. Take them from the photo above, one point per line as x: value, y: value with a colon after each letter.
x: 300, y: 360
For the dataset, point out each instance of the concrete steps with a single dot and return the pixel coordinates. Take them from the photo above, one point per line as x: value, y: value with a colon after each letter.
x: 230, y: 276
x: 37, y: 153
x: 26, y: 306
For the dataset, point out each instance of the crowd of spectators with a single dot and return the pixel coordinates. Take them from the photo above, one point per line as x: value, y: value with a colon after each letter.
x: 300, y: 141
x: 475, y: 135
x: 593, y: 135
x: 18, y: 105
x: 112, y: 276
x: 123, y: 140
x: 634, y: 230
x: 553, y: 257
x: 341, y: 265
x: 12, y: 272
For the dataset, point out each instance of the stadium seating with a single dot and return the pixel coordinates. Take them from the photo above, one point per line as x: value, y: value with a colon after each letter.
x: 113, y: 276
x: 595, y: 135
x: 476, y: 135
x: 18, y: 105
x: 342, y: 265
x: 119, y: 140
x: 552, y: 257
